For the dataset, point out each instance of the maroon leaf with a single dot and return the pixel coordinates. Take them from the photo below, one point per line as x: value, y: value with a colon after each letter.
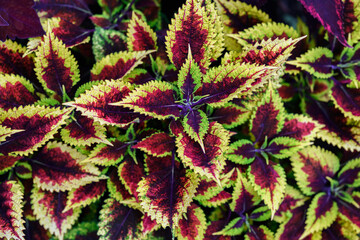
x: 7, y: 162
x: 294, y: 226
x: 105, y: 155
x: 347, y: 100
x: 19, y: 19
x: 130, y: 175
x: 116, y: 188
x: 329, y: 15
x: 155, y: 164
x: 298, y: 127
x: 158, y: 144
x: 349, y: 211
x: 216, y: 226
x: 230, y: 115
x: 193, y: 226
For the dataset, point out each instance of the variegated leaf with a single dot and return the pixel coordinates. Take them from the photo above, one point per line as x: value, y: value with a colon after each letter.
x: 36, y: 125
x: 346, y: 100
x: 261, y: 232
x: 196, y: 125
x: 219, y: 199
x: 193, y: 226
x: 293, y: 199
x: 158, y: 144
x: 117, y: 189
x: 7, y: 163
x: 294, y: 225
x: 349, y: 212
x: 241, y: 152
x: 350, y: 173
x: 130, y: 174
x: 230, y: 115
x: 140, y: 35
x: 207, y: 189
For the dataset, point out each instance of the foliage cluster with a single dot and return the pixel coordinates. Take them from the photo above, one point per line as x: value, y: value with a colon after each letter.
x: 220, y: 124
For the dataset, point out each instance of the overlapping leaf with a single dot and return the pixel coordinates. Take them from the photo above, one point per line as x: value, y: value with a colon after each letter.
x: 231, y: 115
x: 140, y: 35
x: 192, y: 227
x: 346, y: 100
x: 7, y: 163
x: 158, y: 144
x: 130, y: 174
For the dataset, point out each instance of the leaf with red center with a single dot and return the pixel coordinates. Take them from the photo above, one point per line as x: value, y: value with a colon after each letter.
x: 83, y: 131
x: 38, y: 125
x: 218, y: 200
x: 350, y: 173
x: 118, y: 221
x: 264, y: 31
x: 214, y: 227
x: 140, y: 35
x: 339, y: 230
x: 7, y: 163
x: 241, y: 152
x: 237, y: 16
x: 293, y: 199
x: 311, y: 166
x: 261, y: 232
x: 207, y: 189
x: 317, y: 61
x: 337, y: 130
x: 208, y: 160
x: 117, y: 190
x: 269, y: 117
x: 49, y: 208
x: 95, y: 104
x: 12, y: 224
x: 107, y: 41
x: 299, y: 127
x: 347, y: 100
x: 58, y: 167
x: 15, y: 91
x: 85, y: 195
x: 23, y: 170
x: 193, y: 226
x: 165, y: 195
x: 231, y: 115
x: 117, y: 65
x: 139, y: 76
x: 193, y: 28
x: 349, y: 212
x: 56, y: 68
x: 329, y: 15
x: 156, y: 99
x: 234, y: 228
x: 158, y: 144
x: 70, y: 34
x: 155, y: 164
x: 19, y: 19
x: 283, y: 147
x: 321, y: 213
x: 69, y: 10
x: 196, y: 125
x: 148, y: 225
x: 224, y: 83
x: 269, y: 182
x: 13, y: 62
x: 130, y: 175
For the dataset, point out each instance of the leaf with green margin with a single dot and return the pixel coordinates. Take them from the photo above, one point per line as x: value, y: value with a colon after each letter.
x: 49, y: 208
x: 193, y: 28
x: 340, y: 229
x: 117, y: 65
x: 311, y: 166
x: 261, y: 232
x: 118, y: 221
x: 237, y: 16
x: 107, y: 41
x: 230, y: 115
x: 264, y: 31
x: 269, y: 117
x: 269, y: 182
x: 56, y: 68
x: 351, y: 213
x: 317, y: 61
x: 23, y: 170
x: 139, y: 35
x: 350, y: 173
x: 219, y: 199
x: 117, y: 190
x: 213, y: 227
x: 284, y: 147
x: 165, y: 195
x: 57, y: 167
x: 7, y: 132
x: 7, y: 163
x: 321, y: 213
x: 208, y: 161
x: 159, y: 144
x: 261, y: 214
x: 196, y: 125
x: 35, y: 126
x: 241, y: 152
x: 85, y: 195
x: 192, y: 227
x: 148, y: 226
x: 96, y: 104
x: 207, y: 189
x: 156, y: 99
x: 15, y: 91
x: 233, y: 228
x: 130, y: 174
x: 12, y: 224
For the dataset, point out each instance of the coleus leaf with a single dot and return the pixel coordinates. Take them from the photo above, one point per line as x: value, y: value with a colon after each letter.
x: 349, y: 212
x: 233, y: 228
x: 117, y: 189
x: 156, y: 99
x: 118, y: 221
x: 148, y: 225
x: 140, y: 35
x: 83, y: 230
x: 196, y: 125
x: 49, y: 208
x: 316, y: 61
x: 261, y: 232
x: 58, y: 167
x: 193, y: 226
x: 7, y: 163
x: 230, y: 115
x: 269, y: 181
x: 241, y: 152
x: 264, y: 31
x: 293, y: 199
x: 340, y: 229
x: 38, y: 125
x: 311, y: 166
x: 13, y: 62
x: 217, y: 200
x: 299, y: 127
x: 20, y: 20
x: 12, y: 224
x: 117, y: 65
x: 294, y: 225
x: 158, y: 144
x: 346, y: 100
x: 348, y: 64
x: 207, y: 189
x: 213, y: 227
x: 209, y: 160
x: 15, y: 91
x: 85, y: 195
x: 350, y: 173
x: 98, y: 105
x: 83, y: 131
x: 321, y: 213
x: 130, y: 174
x: 71, y: 11
x: 193, y: 29
x: 165, y: 195
x: 56, y: 68
x: 330, y: 16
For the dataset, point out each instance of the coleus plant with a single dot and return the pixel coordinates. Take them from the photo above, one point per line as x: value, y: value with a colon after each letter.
x: 221, y: 124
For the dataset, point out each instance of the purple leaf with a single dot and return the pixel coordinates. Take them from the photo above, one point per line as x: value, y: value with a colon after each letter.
x: 19, y: 19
